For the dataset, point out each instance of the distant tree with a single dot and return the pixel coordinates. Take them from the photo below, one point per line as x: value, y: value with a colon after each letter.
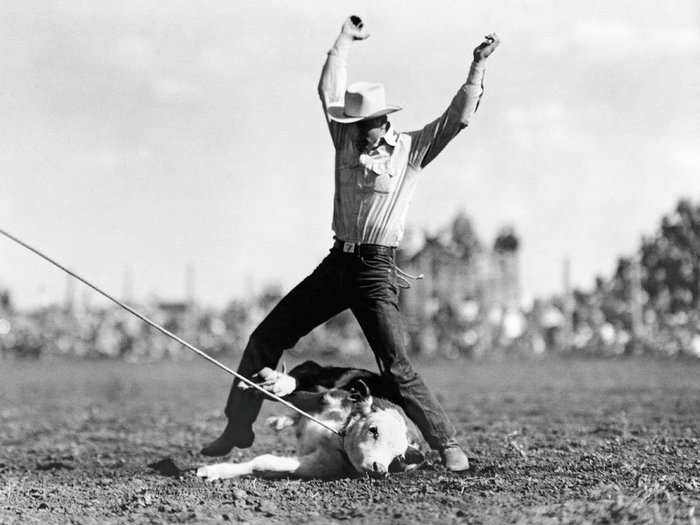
x: 235, y: 314
x: 464, y: 237
x: 5, y: 300
x: 506, y: 241
x: 269, y: 297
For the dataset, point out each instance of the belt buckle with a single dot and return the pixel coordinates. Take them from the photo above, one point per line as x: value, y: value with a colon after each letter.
x: 349, y: 247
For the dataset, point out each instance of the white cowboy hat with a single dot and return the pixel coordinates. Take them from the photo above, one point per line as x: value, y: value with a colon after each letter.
x: 363, y: 100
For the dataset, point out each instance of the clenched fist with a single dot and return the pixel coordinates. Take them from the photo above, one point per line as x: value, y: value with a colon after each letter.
x: 488, y: 46
x: 354, y: 28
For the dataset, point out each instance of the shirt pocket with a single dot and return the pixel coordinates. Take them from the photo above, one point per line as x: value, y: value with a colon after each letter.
x: 364, y: 180
x: 382, y: 182
x: 378, y: 175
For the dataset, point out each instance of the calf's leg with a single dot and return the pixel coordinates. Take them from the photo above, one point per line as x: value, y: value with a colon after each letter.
x: 319, y: 464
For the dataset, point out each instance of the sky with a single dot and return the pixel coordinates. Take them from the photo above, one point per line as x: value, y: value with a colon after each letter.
x: 141, y: 137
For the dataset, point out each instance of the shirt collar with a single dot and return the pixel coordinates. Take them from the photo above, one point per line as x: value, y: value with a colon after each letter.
x: 390, y: 137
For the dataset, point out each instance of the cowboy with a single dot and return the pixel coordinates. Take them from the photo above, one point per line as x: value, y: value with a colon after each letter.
x: 376, y: 171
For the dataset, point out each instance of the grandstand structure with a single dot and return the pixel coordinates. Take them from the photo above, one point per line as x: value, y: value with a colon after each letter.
x: 464, y: 287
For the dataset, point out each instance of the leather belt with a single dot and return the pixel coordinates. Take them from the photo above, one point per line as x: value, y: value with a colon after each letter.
x: 355, y: 248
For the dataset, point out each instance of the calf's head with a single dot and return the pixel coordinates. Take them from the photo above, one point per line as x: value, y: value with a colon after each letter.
x: 374, y: 437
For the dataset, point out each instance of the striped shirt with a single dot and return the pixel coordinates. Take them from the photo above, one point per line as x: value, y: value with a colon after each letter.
x: 374, y: 188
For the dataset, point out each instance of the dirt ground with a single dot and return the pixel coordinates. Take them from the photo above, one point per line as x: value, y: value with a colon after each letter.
x: 551, y: 441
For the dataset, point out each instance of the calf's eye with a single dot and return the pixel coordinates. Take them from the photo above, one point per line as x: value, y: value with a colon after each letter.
x: 374, y: 431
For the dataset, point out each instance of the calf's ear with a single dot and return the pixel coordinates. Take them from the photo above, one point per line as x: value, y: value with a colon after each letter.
x: 398, y: 464
x: 362, y: 397
x: 359, y: 390
x: 362, y: 388
x: 410, y: 460
x: 413, y: 455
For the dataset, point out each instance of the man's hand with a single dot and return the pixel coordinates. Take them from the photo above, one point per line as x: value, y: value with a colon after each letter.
x: 279, y: 383
x: 488, y: 46
x: 354, y: 28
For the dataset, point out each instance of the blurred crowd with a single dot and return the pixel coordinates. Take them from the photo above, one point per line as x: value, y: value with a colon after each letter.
x: 468, y: 304
x: 109, y: 332
x: 650, y: 305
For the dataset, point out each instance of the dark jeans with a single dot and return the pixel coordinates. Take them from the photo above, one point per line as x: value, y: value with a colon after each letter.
x: 367, y: 285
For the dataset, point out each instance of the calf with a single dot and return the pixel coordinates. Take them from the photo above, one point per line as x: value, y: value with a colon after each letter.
x: 375, y: 435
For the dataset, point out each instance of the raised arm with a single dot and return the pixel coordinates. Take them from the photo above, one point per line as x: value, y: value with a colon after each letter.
x: 429, y: 141
x: 331, y: 86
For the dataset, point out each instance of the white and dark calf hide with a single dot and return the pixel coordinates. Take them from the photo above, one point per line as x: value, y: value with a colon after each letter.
x: 376, y: 436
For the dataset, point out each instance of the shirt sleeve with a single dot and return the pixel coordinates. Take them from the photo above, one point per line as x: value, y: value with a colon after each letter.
x: 332, y: 84
x: 428, y: 142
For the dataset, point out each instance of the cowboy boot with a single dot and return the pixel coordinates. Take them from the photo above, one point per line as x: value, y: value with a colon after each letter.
x: 234, y: 435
